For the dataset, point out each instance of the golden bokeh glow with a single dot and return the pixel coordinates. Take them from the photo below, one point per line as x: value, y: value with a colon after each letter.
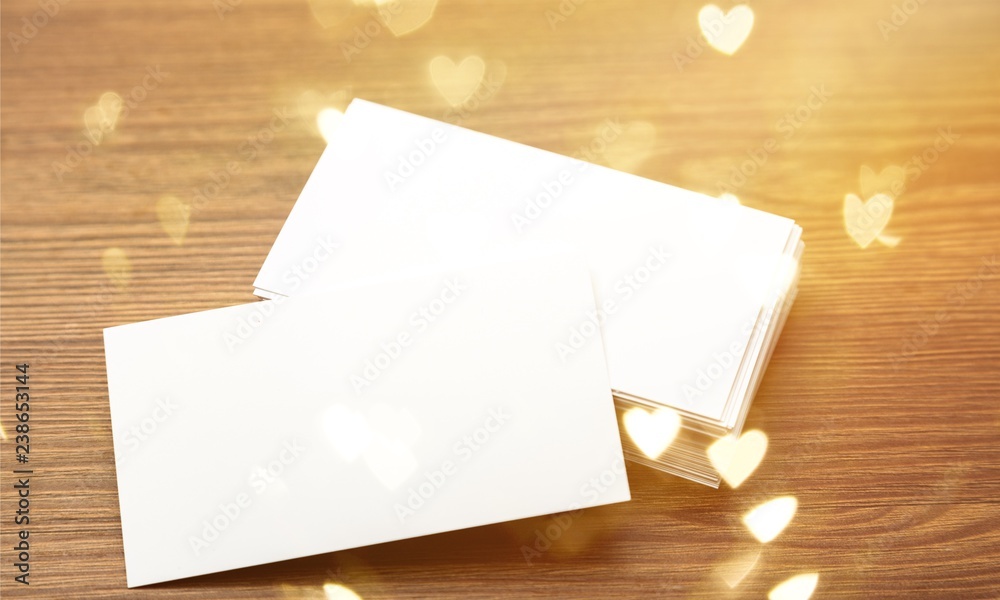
x: 102, y: 118
x: 865, y: 220
x: 174, y: 217
x: 457, y: 82
x: 117, y: 267
x: 726, y: 31
x: 734, y: 571
x: 336, y: 591
x: 652, y: 432
x: 891, y: 181
x: 737, y: 459
x: 800, y: 587
x: 632, y: 147
x: 769, y: 519
x: 327, y: 121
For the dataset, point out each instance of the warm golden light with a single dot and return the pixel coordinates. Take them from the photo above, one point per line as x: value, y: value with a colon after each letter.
x: 726, y: 31
x: 327, y: 120
x: 329, y: 13
x: 336, y: 591
x: 864, y: 221
x: 889, y: 240
x: 405, y: 16
x: 787, y: 269
x: 102, y: 118
x: 891, y: 181
x: 310, y: 102
x: 737, y: 459
x: 174, y: 217
x: 734, y: 571
x: 800, y: 587
x: 769, y: 519
x: 117, y: 267
x: 457, y: 82
x: 652, y: 432
x: 631, y: 147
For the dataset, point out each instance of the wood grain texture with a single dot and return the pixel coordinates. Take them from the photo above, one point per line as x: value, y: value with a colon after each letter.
x: 895, y: 464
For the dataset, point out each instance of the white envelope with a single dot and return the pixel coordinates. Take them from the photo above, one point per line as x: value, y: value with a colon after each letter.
x: 274, y: 430
x: 681, y: 278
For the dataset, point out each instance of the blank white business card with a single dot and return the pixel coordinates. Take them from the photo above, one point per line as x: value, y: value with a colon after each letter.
x: 274, y: 430
x: 680, y: 278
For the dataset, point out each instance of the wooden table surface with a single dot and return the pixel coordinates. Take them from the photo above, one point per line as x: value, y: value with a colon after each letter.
x: 882, y: 400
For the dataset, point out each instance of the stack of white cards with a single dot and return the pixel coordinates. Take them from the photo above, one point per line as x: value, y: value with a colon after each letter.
x: 691, y: 291
x: 451, y: 321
